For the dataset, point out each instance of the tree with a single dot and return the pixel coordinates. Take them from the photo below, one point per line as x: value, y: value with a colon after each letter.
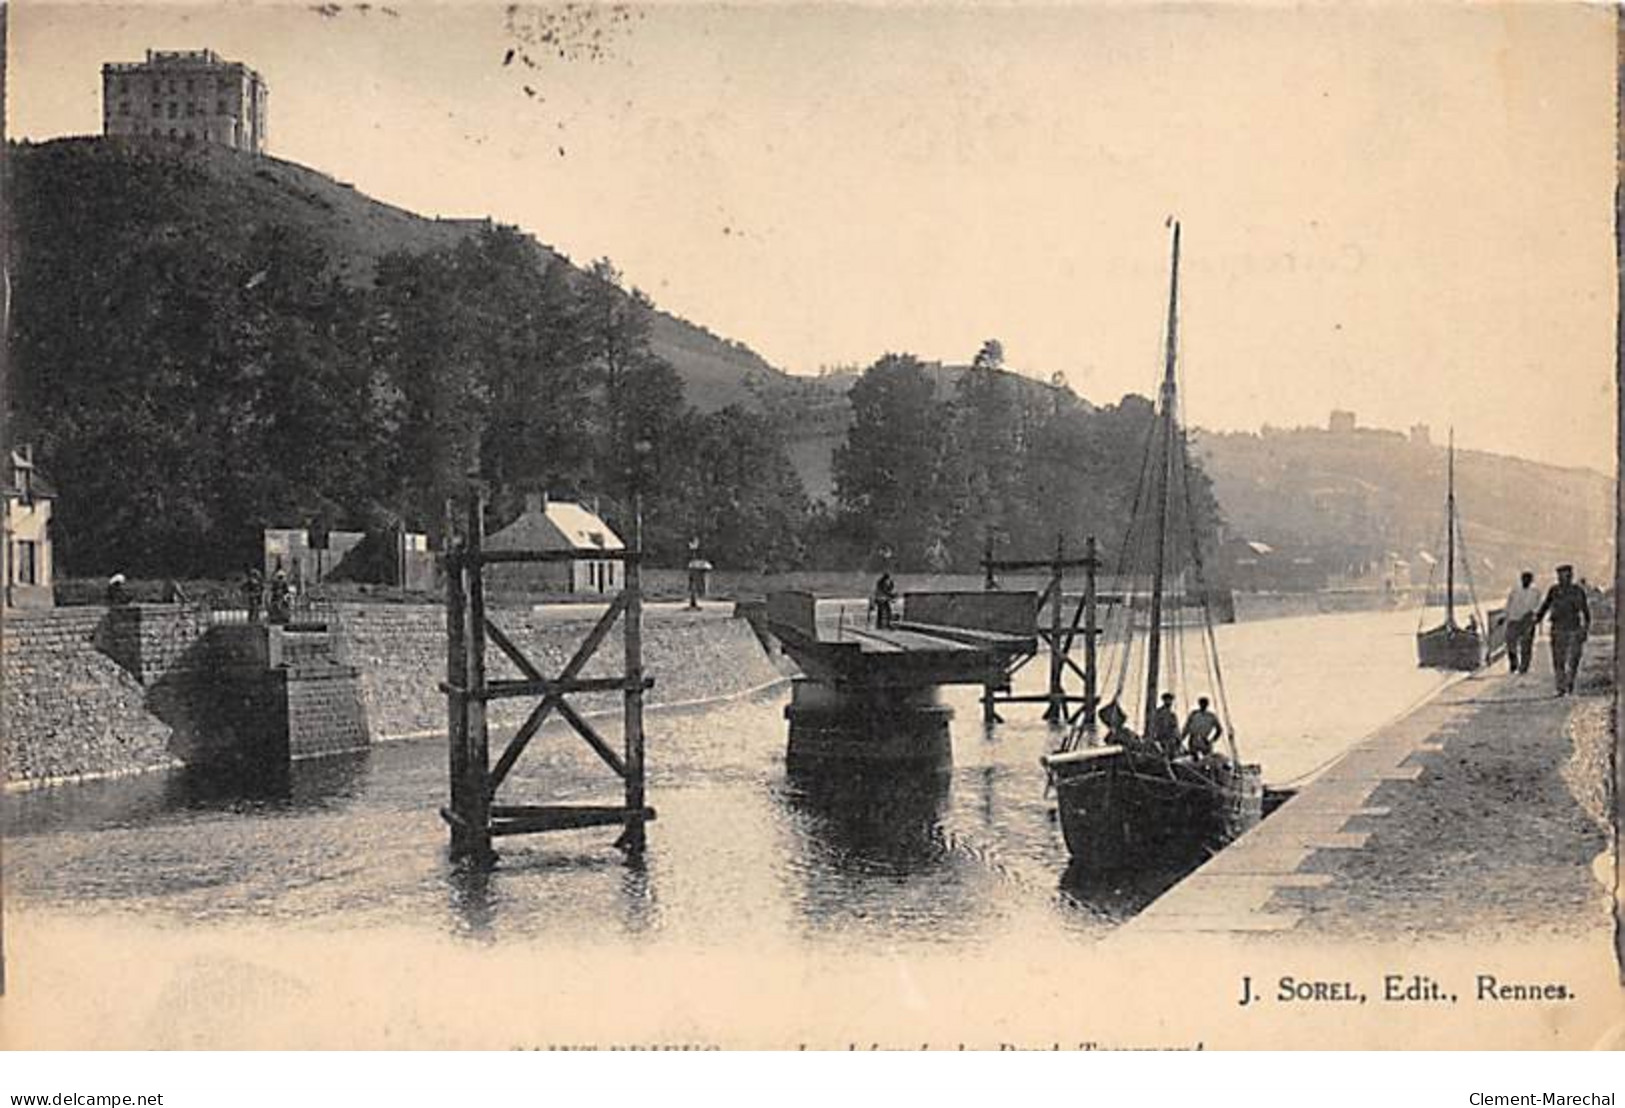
x: 983, y: 465
x: 886, y: 473
x: 740, y: 496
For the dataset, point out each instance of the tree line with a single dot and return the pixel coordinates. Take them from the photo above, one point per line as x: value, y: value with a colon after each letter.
x: 932, y: 479
x: 190, y: 381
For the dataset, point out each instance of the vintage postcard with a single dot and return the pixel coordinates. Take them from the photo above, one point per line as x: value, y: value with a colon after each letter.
x: 929, y: 525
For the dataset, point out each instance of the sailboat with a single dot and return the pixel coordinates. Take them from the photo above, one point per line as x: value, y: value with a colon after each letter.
x: 1451, y: 645
x: 1124, y: 799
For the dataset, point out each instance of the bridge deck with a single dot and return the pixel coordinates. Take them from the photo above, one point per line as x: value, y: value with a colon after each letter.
x: 832, y: 642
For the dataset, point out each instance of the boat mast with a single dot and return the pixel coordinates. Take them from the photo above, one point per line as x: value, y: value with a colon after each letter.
x: 1091, y: 693
x: 1153, y: 656
x: 1450, y: 536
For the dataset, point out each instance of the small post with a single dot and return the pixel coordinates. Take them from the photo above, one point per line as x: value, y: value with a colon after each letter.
x: 987, y: 562
x: 1056, y: 712
x: 477, y: 790
x: 632, y: 838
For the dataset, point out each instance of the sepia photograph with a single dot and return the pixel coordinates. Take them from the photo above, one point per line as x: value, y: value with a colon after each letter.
x: 774, y: 526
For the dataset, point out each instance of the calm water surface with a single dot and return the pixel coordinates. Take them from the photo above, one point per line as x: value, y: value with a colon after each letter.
x: 740, y: 855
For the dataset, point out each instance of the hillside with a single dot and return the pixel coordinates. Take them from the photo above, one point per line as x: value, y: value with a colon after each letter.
x: 206, y: 185
x: 1380, y: 491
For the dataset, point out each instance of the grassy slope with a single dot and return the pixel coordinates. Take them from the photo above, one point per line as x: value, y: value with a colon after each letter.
x: 358, y: 230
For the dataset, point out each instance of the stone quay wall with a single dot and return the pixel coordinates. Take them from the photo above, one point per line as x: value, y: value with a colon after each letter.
x: 401, y: 652
x: 94, y: 692
x: 71, y: 709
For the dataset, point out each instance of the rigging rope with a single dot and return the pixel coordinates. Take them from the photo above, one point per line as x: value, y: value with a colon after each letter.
x: 1209, y: 636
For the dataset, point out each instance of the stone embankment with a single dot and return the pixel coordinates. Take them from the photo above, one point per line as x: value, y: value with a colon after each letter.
x: 90, y: 693
x: 1483, y: 813
x: 70, y: 708
x: 693, y: 656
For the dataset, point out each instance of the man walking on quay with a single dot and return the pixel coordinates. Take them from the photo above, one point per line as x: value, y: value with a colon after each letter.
x: 1571, y: 620
x: 1522, y: 603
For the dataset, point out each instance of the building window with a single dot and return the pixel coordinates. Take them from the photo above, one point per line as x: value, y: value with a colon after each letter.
x: 123, y: 107
x: 174, y: 109
x: 220, y: 107
x: 172, y: 133
x: 188, y: 84
x: 191, y: 109
x: 157, y: 109
x: 27, y: 562
x: 156, y: 133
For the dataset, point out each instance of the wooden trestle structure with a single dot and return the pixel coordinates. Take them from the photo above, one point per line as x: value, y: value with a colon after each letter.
x: 474, y: 815
x: 1057, y: 638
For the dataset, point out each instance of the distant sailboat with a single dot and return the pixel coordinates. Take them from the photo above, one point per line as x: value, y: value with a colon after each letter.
x: 1451, y: 645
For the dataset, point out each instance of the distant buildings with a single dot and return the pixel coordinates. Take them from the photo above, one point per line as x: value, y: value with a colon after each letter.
x: 1341, y: 422
x: 185, y: 94
x: 396, y: 557
x: 25, y: 517
x: 558, y: 525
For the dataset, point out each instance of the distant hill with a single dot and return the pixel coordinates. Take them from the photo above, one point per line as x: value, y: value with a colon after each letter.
x: 220, y: 184
x: 1381, y: 491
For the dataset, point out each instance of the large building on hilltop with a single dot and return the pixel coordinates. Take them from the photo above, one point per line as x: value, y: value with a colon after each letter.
x: 185, y: 94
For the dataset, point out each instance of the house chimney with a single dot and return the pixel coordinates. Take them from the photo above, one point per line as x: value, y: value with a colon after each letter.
x: 535, y: 503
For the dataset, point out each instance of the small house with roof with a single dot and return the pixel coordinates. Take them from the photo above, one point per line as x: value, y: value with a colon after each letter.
x: 28, y: 564
x: 548, y: 524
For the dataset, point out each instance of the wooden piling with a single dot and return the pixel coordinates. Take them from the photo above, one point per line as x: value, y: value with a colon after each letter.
x: 477, y: 799
x: 473, y: 813
x: 456, y: 688
x: 632, y: 838
x: 1056, y: 712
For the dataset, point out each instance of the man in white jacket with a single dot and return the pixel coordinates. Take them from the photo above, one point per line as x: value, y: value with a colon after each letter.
x: 1522, y: 603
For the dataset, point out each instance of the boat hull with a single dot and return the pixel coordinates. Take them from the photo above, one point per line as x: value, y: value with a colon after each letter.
x: 1118, y: 810
x: 1450, y: 647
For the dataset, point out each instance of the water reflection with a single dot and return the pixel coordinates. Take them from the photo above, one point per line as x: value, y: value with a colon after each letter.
x: 878, y: 817
x: 305, y: 786
x: 1120, y: 893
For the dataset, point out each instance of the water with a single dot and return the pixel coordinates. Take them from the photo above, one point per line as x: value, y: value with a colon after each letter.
x: 739, y: 855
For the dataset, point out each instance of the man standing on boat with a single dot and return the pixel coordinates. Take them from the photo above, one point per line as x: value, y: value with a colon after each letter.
x: 1202, y: 729
x: 1165, y: 727
x: 1571, y: 620
x: 1522, y: 603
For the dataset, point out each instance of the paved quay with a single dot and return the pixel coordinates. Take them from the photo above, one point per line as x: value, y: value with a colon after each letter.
x: 1481, y: 813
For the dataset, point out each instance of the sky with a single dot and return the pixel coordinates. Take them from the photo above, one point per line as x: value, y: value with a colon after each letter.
x: 1405, y: 211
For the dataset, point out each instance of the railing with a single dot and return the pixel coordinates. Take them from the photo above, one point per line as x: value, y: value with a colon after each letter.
x: 303, y: 610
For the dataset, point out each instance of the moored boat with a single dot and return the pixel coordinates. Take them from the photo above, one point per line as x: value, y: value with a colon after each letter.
x: 1123, y: 800
x: 1451, y: 645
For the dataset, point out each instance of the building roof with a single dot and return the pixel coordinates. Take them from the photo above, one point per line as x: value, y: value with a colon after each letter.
x: 22, y: 474
x: 556, y: 525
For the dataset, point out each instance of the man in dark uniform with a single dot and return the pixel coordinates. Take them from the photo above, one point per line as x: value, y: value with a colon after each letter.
x: 1571, y: 620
